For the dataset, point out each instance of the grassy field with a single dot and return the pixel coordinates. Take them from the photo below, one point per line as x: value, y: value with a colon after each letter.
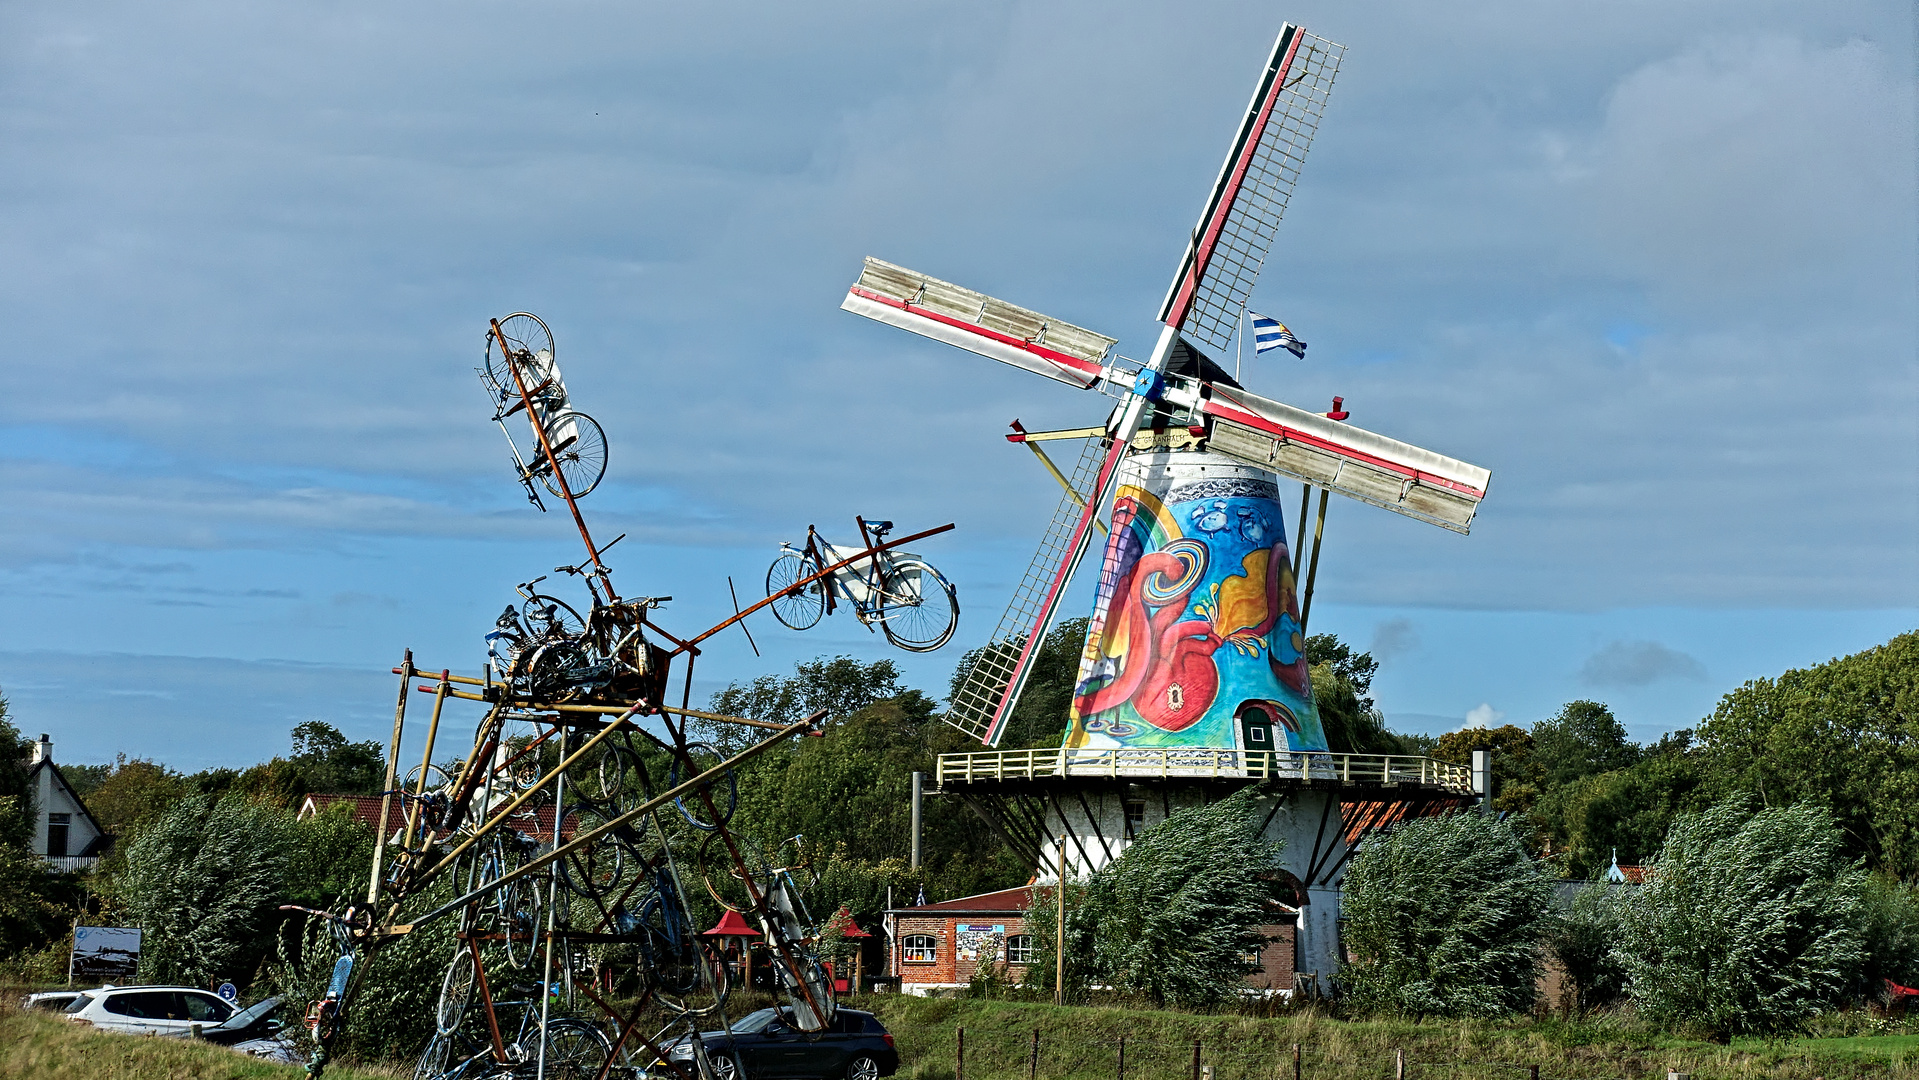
x: 1083, y: 1044
x: 42, y: 1046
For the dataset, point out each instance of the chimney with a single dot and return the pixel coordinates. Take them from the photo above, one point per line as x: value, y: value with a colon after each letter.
x: 42, y: 750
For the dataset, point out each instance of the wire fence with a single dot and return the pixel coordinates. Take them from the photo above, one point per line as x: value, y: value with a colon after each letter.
x: 1035, y: 1054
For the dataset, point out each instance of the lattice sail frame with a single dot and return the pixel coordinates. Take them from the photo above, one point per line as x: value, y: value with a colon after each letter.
x: 975, y: 707
x: 1235, y: 233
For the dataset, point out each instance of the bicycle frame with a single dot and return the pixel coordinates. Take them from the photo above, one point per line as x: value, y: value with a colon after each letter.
x: 858, y: 582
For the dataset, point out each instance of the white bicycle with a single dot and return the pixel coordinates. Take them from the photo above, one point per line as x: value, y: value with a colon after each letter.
x: 897, y: 591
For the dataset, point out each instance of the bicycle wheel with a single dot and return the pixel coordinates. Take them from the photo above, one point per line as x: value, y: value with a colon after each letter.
x: 547, y: 617
x: 526, y: 338
x: 919, y: 610
x: 594, y: 869
x: 722, y: 875
x: 521, y: 916
x: 435, y: 1058
x: 575, y: 1049
x: 713, y: 802
x: 580, y: 447
x: 802, y: 608
x: 456, y: 991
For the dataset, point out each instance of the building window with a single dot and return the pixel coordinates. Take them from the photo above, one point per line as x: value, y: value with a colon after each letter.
x: 1135, y: 818
x: 57, y: 835
x: 921, y: 948
x: 1019, y: 949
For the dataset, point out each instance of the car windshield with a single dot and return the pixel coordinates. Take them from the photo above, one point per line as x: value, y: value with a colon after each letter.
x: 754, y: 1023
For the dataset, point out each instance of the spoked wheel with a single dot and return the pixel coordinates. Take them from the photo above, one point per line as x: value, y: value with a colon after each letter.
x: 862, y: 1067
x: 803, y: 607
x: 919, y: 610
x: 547, y: 617
x: 580, y: 447
x: 595, y: 869
x: 575, y: 1049
x: 526, y: 339
x: 456, y: 991
x: 711, y: 805
x: 435, y: 1059
x: 520, y: 915
x: 720, y: 1065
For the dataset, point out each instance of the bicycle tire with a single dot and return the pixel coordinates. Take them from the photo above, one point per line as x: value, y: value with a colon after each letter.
x: 596, y: 869
x: 456, y: 991
x: 919, y: 609
x: 721, y: 875
x: 802, y: 609
x: 583, y: 457
x: 700, y: 758
x: 524, y: 333
x: 548, y: 617
x: 519, y: 923
x: 575, y: 1049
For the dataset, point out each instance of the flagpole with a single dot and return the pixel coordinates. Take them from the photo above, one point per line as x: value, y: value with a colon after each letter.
x: 1239, y: 345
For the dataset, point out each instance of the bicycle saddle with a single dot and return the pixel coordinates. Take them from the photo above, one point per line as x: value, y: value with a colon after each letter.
x: 879, y: 527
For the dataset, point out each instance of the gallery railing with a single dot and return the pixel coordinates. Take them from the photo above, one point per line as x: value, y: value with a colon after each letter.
x: 1205, y: 761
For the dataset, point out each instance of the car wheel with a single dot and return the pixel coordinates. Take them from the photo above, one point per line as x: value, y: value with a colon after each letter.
x: 723, y: 1067
x: 862, y: 1067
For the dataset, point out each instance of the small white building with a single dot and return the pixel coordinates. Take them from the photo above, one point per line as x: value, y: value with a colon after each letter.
x: 64, y: 832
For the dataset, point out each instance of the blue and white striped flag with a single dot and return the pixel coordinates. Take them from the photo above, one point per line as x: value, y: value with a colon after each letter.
x: 1270, y: 334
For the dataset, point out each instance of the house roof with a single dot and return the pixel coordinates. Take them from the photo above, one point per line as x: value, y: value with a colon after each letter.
x: 1003, y: 902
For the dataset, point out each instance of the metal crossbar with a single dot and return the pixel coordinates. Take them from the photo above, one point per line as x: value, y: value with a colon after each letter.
x: 977, y: 701
x: 1247, y: 235
x: 1205, y: 761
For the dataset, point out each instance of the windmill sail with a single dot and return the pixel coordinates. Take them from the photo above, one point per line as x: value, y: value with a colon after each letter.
x: 978, y: 323
x: 1351, y: 461
x: 1235, y: 232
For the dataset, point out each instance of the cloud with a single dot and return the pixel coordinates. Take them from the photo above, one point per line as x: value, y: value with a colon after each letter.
x: 1638, y: 663
x: 1483, y: 715
x: 1393, y: 638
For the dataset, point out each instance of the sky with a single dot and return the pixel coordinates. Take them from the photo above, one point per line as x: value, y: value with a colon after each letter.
x: 1652, y: 264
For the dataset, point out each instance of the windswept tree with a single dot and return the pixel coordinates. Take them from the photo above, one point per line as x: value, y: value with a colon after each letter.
x: 1175, y: 916
x: 203, y: 883
x: 1751, y: 921
x: 1446, y: 916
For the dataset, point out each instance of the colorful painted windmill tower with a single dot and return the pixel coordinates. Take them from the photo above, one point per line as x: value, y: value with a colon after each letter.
x: 1194, y: 673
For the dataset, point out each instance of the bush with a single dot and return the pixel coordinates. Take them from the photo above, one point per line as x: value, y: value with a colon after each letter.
x: 1749, y: 922
x: 1583, y: 940
x: 203, y: 883
x: 1446, y: 915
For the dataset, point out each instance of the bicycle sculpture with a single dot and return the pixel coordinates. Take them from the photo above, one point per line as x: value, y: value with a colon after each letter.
x: 558, y: 851
x: 902, y: 594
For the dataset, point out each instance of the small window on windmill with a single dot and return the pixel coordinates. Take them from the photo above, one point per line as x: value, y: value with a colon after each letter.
x: 1135, y: 818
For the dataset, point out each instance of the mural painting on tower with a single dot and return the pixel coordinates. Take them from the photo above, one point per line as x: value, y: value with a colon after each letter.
x: 1195, y: 638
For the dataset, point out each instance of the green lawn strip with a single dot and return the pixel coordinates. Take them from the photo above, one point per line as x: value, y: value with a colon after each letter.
x: 47, y: 1047
x: 1083, y: 1044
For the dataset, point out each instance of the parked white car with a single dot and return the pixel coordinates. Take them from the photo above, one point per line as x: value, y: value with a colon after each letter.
x: 152, y: 1010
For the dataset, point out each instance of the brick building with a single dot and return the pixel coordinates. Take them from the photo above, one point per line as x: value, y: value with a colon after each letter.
x: 940, y: 946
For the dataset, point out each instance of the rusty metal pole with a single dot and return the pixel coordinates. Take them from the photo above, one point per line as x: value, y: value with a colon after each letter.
x: 1312, y: 569
x: 386, y: 792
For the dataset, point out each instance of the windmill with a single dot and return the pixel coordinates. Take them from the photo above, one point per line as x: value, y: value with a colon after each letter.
x: 1197, y: 636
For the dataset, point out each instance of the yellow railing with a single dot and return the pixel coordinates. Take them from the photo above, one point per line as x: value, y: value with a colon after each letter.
x: 1205, y: 761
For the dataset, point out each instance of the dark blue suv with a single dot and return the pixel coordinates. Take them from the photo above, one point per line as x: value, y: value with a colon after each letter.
x: 767, y: 1044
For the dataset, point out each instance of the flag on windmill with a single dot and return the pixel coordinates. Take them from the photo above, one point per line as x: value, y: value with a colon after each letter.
x: 1270, y: 334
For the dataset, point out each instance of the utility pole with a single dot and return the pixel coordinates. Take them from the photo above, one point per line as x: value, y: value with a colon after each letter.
x: 1059, y: 930
x: 919, y: 779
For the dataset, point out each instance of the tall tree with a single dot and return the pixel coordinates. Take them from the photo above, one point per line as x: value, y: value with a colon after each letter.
x: 1843, y: 734
x: 1583, y: 739
x: 204, y: 882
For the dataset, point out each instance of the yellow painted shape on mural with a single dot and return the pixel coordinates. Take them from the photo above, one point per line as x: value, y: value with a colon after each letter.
x: 1242, y: 598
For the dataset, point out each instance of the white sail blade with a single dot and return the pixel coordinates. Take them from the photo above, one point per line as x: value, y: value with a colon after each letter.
x: 978, y: 323
x: 1235, y: 232
x: 1345, y: 459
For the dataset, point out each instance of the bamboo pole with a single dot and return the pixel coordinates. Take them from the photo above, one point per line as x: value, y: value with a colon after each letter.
x: 386, y: 790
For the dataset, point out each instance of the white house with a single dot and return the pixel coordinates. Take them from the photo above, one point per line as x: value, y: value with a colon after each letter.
x: 63, y: 831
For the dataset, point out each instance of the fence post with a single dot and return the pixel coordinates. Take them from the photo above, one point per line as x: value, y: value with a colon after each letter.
x: 1399, y: 1065
x: 1122, y: 1057
x: 1032, y: 1063
x: 1195, y: 1059
x: 1533, y: 1073
x: 1296, y: 1063
x: 959, y: 1064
